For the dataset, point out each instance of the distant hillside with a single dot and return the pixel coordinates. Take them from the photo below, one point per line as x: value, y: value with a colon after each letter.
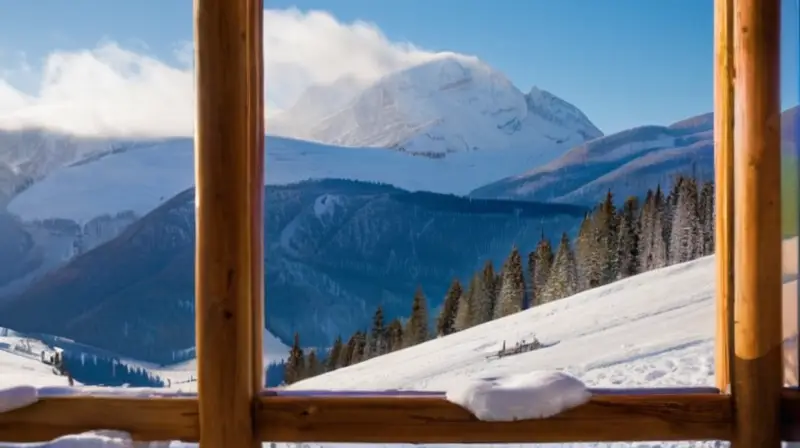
x: 336, y: 249
x: 628, y: 163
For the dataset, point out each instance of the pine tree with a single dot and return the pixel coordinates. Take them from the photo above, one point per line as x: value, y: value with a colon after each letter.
x: 447, y: 316
x: 295, y: 365
x: 349, y: 351
x: 312, y: 364
x: 334, y: 356
x: 484, y: 296
x: 659, y: 254
x: 595, y: 255
x: 531, y: 278
x: 708, y: 215
x: 369, y: 347
x: 377, y: 341
x: 416, y: 331
x: 667, y: 216
x: 628, y: 239
x: 606, y: 241
x: 512, y: 294
x: 686, y: 243
x: 646, y: 222
x: 544, y: 263
x: 563, y: 278
x: 359, y: 347
x: 498, y: 285
x: 466, y: 305
x: 394, y: 333
x: 584, y: 247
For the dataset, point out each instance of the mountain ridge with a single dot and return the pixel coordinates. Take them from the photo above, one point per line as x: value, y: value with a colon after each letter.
x: 628, y: 162
x: 448, y: 104
x: 337, y: 249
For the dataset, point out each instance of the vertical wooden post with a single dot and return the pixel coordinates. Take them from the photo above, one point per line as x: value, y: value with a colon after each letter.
x: 757, y: 379
x: 723, y: 166
x: 223, y: 269
x: 257, y: 189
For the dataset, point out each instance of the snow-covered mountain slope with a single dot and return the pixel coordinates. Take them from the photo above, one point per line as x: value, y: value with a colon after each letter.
x: 20, y: 361
x: 627, y: 163
x: 652, y: 330
x: 655, y: 329
x: 274, y: 351
x: 28, y: 250
x: 448, y: 104
x: 29, y: 155
x: 336, y: 250
x: 184, y: 374
x: 141, y: 178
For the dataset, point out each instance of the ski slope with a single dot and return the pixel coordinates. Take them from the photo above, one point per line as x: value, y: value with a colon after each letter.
x: 20, y: 362
x: 652, y: 330
x: 144, y: 176
x: 184, y: 374
x: 655, y: 329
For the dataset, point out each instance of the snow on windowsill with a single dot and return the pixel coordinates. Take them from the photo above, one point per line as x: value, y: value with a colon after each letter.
x: 17, y: 397
x: 534, y: 395
x: 94, y: 439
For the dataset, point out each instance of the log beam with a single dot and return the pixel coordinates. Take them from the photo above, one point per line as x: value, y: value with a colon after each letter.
x: 724, y: 187
x: 224, y: 153
x: 390, y: 419
x: 147, y: 419
x: 256, y: 164
x: 758, y: 374
x: 435, y: 420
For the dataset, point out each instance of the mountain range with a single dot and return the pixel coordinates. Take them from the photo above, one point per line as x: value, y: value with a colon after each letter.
x: 336, y: 250
x: 100, y: 232
x: 71, y: 194
x: 29, y: 155
x: 628, y: 162
x: 450, y: 104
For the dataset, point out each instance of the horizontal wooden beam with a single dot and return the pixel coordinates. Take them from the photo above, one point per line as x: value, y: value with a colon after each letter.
x: 150, y: 419
x: 419, y: 419
x: 636, y: 416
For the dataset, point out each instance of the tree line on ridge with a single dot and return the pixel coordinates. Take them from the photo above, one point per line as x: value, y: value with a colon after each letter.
x: 612, y: 243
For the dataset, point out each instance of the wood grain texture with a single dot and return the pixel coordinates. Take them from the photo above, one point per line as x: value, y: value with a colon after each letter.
x: 224, y: 151
x: 256, y: 121
x: 145, y: 419
x: 394, y: 419
x: 758, y: 338
x: 435, y: 420
x: 724, y: 187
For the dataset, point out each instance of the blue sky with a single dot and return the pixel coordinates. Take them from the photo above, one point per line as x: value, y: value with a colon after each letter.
x: 623, y: 62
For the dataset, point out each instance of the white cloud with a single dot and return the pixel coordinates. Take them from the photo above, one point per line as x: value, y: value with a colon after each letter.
x: 110, y: 90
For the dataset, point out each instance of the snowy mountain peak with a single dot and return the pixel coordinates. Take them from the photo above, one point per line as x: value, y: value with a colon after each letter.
x: 557, y: 110
x: 450, y: 103
x: 448, y: 72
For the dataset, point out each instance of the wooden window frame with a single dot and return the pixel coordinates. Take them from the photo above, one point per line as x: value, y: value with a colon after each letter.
x: 232, y: 410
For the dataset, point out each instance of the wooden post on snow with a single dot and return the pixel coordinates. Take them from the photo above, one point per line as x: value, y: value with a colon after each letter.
x: 758, y: 375
x: 224, y: 154
x: 723, y: 166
